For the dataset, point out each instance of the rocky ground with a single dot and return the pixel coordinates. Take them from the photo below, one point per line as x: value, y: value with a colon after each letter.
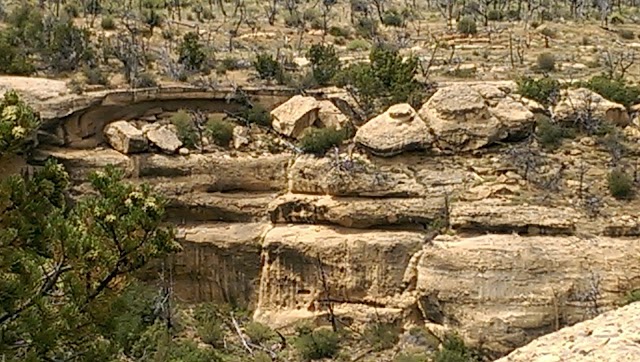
x: 450, y: 216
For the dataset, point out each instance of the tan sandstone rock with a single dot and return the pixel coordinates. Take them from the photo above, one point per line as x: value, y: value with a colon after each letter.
x: 125, y: 137
x: 397, y: 130
x: 295, y: 115
x: 610, y: 337
x: 330, y: 116
x: 219, y: 262
x: 360, y: 266
x: 162, y: 136
x: 356, y: 212
x: 509, y: 289
x: 462, y: 119
x: 582, y: 102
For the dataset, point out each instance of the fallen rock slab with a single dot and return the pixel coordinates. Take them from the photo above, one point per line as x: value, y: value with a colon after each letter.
x: 125, y: 137
x: 582, y: 102
x: 163, y: 137
x: 295, y: 115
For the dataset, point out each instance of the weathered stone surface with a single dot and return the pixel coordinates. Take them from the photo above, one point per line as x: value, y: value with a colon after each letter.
x: 499, y: 217
x: 295, y: 115
x: 125, y: 137
x: 583, y: 102
x: 330, y: 116
x: 217, y: 206
x: 462, y: 119
x: 611, y: 336
x: 360, y: 266
x: 162, y: 136
x: 80, y: 163
x: 397, y: 130
x: 313, y: 175
x: 356, y: 212
x: 220, y: 172
x: 240, y: 136
x: 510, y: 289
x: 219, y: 262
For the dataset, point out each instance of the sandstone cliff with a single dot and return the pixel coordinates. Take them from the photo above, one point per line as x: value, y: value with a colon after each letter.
x: 501, y: 244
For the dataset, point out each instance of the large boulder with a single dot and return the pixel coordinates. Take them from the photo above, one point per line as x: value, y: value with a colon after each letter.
x: 397, y: 130
x: 295, y: 115
x: 467, y: 117
x: 163, y: 137
x: 582, y: 102
x: 125, y: 137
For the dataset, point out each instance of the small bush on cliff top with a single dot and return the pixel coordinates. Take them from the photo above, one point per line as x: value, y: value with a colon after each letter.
x: 220, y: 131
x: 543, y: 90
x: 185, y: 128
x: 319, y: 140
x: 620, y: 184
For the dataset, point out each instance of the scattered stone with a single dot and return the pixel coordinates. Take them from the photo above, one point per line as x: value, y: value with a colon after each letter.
x: 397, y: 130
x: 240, y: 136
x: 125, y: 138
x: 183, y: 151
x: 162, y: 136
x: 578, y: 102
x: 295, y: 115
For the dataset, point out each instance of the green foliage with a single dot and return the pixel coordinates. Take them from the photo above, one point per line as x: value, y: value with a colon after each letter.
x: 543, y: 90
x: 495, y: 15
x: 381, y: 336
x: 546, y: 62
x: 191, y: 53
x: 453, y: 350
x: 209, y: 324
x: 258, y: 333
x: 144, y: 80
x: 18, y: 122
x: 220, y: 131
x: 64, y: 271
x: 13, y: 59
x: 68, y: 47
x: 549, y: 32
x: 256, y: 114
x: 626, y: 34
x: 185, y: 128
x: 632, y: 296
x: 620, y: 184
x: 320, y: 343
x: 388, y: 79
x: 95, y: 76
x: 366, y: 28
x: 358, y: 45
x: 154, y: 19
x: 412, y: 357
x: 615, y: 90
x: 325, y: 63
x: 268, y: 67
x: 108, y: 23
x: 550, y: 134
x: 339, y: 32
x: 293, y: 20
x: 467, y: 26
x: 393, y: 17
x: 319, y: 140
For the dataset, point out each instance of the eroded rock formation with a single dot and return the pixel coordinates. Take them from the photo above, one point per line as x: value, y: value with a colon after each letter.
x: 484, y: 244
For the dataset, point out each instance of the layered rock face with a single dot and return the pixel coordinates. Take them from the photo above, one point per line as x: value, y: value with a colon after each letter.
x: 481, y: 243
